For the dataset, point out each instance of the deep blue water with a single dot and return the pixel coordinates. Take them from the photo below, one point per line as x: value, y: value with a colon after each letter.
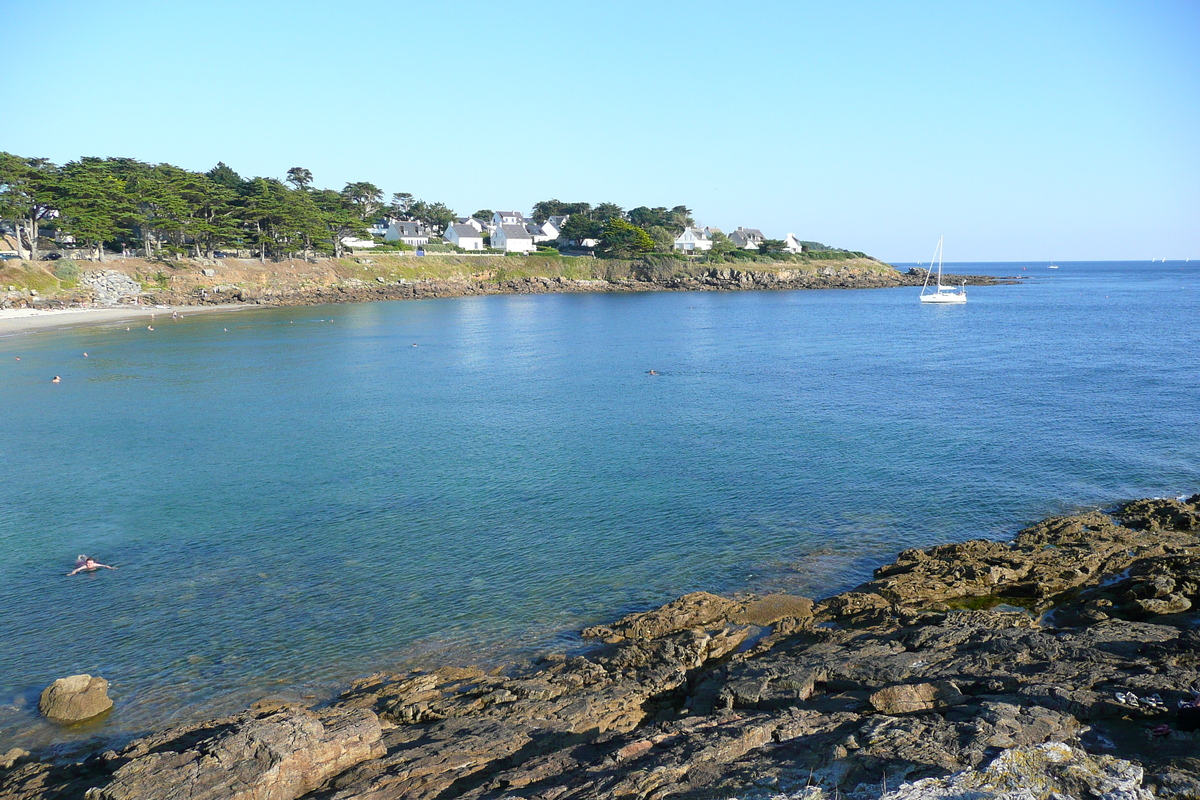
x: 307, y: 497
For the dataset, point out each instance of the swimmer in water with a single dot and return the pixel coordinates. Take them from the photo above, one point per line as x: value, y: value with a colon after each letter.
x: 87, y: 564
x: 149, y: 327
x: 651, y: 372
x: 56, y: 379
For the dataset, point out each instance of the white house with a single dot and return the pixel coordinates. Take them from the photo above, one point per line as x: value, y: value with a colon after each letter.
x: 542, y: 233
x: 355, y: 243
x: 413, y: 233
x: 513, y: 239
x: 464, y: 236
x: 693, y: 240
x: 509, y: 218
x: 553, y: 226
x: 478, y: 225
x: 747, y: 238
x: 792, y: 245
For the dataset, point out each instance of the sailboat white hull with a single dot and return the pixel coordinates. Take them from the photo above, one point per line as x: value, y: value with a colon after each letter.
x: 941, y: 294
x: 946, y: 297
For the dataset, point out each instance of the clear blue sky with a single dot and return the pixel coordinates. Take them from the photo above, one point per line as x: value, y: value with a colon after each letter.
x: 1020, y: 130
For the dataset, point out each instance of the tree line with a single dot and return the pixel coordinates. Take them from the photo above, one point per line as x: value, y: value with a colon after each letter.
x: 167, y: 211
x: 170, y: 211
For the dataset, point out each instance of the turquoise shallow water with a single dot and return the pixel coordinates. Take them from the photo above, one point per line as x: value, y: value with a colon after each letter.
x: 307, y: 497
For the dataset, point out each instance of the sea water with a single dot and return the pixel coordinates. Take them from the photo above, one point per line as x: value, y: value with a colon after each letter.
x: 298, y: 497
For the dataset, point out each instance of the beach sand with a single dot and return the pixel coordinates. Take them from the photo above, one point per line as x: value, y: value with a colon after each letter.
x: 28, y: 320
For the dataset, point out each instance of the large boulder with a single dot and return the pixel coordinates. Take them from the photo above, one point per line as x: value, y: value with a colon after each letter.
x: 75, y: 698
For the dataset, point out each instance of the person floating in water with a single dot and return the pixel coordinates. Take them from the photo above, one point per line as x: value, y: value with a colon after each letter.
x: 87, y: 564
x: 651, y: 372
x: 56, y: 379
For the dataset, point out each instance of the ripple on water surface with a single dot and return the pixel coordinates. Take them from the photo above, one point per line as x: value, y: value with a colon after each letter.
x: 295, y: 502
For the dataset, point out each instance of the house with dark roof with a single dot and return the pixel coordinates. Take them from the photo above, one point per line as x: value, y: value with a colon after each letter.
x: 542, y: 233
x: 747, y: 238
x: 479, y: 225
x: 513, y: 239
x: 509, y: 218
x: 414, y: 233
x: 464, y: 236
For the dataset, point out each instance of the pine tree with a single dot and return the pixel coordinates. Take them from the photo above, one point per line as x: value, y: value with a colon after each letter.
x: 92, y: 202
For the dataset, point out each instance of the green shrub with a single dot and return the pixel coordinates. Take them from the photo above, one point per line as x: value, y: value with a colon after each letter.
x: 833, y: 255
x: 66, y: 270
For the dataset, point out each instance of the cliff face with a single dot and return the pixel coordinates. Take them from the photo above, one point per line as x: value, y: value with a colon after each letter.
x: 989, y: 662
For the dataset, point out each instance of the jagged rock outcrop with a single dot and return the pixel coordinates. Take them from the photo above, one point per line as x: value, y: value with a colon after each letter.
x: 278, y: 755
x: 1052, y: 771
x: 979, y: 659
x: 838, y: 275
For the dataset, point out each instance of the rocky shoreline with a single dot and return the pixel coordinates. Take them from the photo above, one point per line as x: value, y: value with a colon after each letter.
x: 223, y: 283
x: 1065, y: 663
x: 358, y: 291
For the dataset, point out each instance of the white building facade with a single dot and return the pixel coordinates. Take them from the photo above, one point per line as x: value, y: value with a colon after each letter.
x: 694, y: 240
x: 513, y: 239
x: 464, y: 236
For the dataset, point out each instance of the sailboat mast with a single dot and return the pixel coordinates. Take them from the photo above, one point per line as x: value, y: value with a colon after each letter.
x: 940, y: 262
x: 937, y: 256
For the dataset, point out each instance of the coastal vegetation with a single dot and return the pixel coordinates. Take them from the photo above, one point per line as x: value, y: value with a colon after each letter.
x: 161, y: 211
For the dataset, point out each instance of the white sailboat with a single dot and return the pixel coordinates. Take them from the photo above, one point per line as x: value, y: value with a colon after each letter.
x: 941, y: 294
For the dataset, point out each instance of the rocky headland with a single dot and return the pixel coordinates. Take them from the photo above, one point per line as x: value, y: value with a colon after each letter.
x: 383, y: 277
x: 1062, y: 664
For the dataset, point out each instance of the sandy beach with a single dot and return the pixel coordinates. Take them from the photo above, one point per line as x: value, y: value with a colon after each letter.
x: 29, y: 320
